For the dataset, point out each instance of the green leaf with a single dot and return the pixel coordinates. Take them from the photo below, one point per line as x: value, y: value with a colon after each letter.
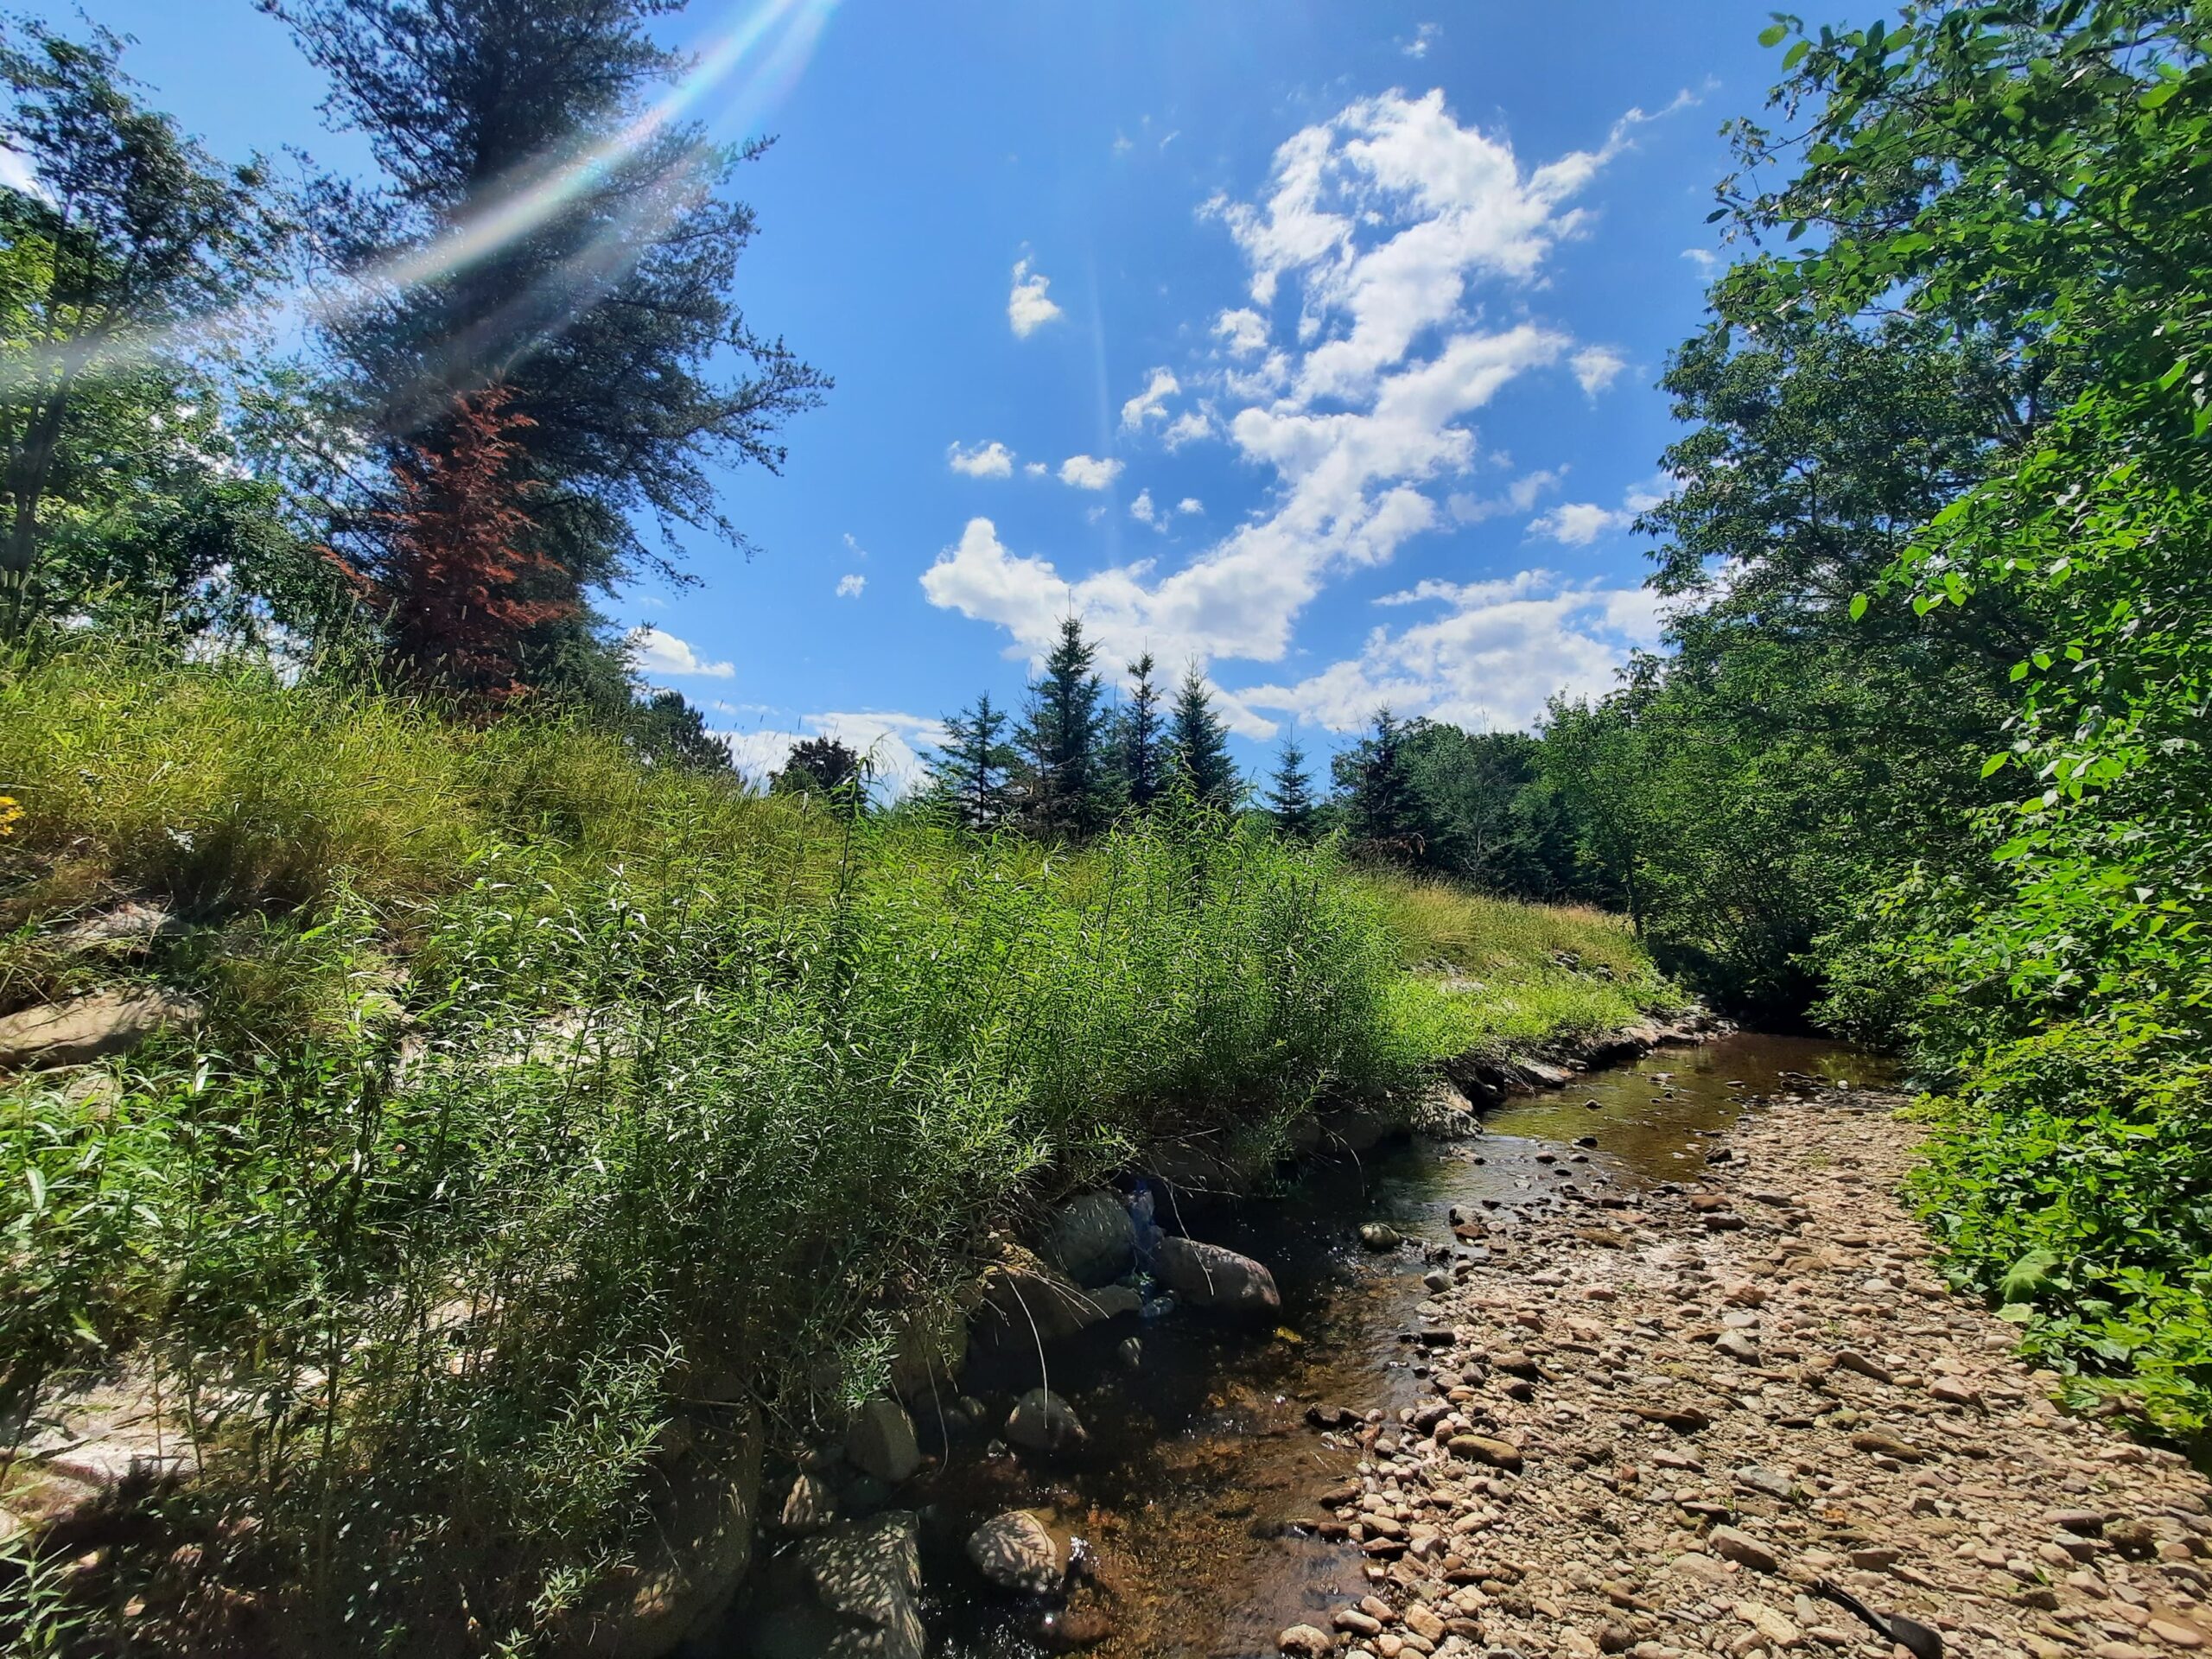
x: 2150, y: 100
x: 1994, y: 764
x: 1796, y: 54
x: 1772, y: 33
x: 2027, y: 1275
x: 1857, y: 605
x: 2015, y: 1314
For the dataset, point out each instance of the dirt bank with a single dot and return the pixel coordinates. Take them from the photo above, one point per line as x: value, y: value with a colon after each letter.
x: 1654, y: 1415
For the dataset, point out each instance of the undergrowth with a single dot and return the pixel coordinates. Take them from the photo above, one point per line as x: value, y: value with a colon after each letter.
x: 551, y: 1104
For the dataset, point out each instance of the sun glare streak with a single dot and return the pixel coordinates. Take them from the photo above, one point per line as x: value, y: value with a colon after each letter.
x: 763, y: 51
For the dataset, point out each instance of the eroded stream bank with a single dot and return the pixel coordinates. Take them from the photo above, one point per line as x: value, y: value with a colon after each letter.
x: 1588, y: 1283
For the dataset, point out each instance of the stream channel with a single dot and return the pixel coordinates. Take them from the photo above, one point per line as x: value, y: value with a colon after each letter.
x: 1199, y: 1455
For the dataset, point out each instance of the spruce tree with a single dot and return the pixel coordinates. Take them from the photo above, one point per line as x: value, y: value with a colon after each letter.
x: 1064, y: 735
x: 973, y: 768
x: 1140, y: 750
x: 1290, y: 791
x: 604, y: 304
x: 1383, y: 807
x: 1200, y: 745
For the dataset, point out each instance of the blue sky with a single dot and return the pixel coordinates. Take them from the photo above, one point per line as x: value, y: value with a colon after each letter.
x: 1312, y: 343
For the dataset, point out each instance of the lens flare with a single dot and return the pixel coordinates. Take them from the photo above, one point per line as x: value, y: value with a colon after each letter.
x: 743, y: 70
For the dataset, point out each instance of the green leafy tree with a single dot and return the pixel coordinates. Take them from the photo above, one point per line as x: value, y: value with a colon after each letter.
x: 1198, y: 745
x: 668, y: 730
x: 975, y: 767
x: 1290, y: 792
x: 118, y: 274
x: 826, y: 768
x: 604, y: 302
x: 1068, y: 782
x: 1141, y: 746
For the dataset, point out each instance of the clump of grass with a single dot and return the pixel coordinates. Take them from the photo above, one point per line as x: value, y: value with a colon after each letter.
x: 552, y: 1101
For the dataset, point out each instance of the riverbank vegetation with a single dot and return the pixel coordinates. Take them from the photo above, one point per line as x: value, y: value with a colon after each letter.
x: 539, y: 1082
x: 544, y: 1076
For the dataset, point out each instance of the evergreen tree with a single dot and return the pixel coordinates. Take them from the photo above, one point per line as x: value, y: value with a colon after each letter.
x: 1200, y: 745
x: 1290, y: 791
x: 1139, y: 747
x: 605, y: 308
x: 1064, y: 735
x: 1384, y: 808
x: 974, y: 766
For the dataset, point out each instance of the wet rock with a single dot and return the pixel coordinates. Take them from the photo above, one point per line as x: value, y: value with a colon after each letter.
x: 1089, y: 1238
x: 1303, y: 1641
x: 1380, y: 1235
x: 1017, y: 1551
x: 879, y: 1441
x: 1742, y: 1548
x: 1206, y: 1275
x: 1130, y: 1352
x: 1042, y: 1421
x: 91, y: 1027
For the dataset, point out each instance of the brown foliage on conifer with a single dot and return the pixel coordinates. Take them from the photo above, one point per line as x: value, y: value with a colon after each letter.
x: 457, y: 580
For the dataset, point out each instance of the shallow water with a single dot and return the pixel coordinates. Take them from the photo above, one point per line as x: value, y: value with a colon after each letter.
x: 1198, y: 1455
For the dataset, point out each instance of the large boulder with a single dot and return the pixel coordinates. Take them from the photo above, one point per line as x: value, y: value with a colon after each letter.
x: 879, y: 1441
x: 699, y: 1548
x: 1206, y: 1275
x: 91, y: 1027
x: 847, y: 1594
x: 1089, y: 1239
x: 1017, y: 1551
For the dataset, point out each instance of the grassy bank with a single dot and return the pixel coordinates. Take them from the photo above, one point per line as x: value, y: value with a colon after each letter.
x: 543, y: 1092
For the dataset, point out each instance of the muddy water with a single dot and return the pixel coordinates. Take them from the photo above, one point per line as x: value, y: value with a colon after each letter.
x: 1199, y: 1459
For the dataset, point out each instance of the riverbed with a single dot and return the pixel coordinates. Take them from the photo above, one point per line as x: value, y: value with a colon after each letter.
x: 1201, y: 1467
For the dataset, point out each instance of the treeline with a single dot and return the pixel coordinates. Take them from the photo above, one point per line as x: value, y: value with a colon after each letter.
x: 1478, y: 808
x: 523, y: 347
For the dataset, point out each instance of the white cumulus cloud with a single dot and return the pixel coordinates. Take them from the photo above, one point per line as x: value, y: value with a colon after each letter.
x: 1595, y: 366
x: 1519, y: 496
x: 653, y: 652
x: 1189, y: 505
x: 891, y: 744
x: 1384, y: 236
x: 1143, y: 511
x: 1029, y: 308
x: 1089, y: 472
x: 992, y: 459
x: 1488, y: 662
x: 851, y: 587
x: 1151, y: 403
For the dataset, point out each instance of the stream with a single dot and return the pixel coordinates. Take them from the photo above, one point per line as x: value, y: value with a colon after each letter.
x: 1199, y: 1456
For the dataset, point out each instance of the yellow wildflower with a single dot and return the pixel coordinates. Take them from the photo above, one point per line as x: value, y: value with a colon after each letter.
x: 8, y: 813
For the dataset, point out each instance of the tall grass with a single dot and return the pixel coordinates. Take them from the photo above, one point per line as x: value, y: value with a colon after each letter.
x: 621, y: 1097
